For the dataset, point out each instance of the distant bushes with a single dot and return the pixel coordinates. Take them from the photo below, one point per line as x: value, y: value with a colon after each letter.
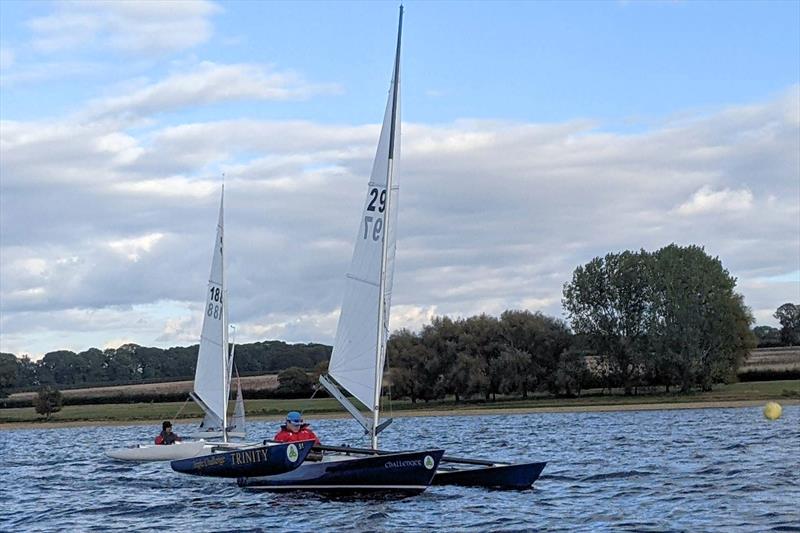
x: 132, y: 364
x: 769, y: 375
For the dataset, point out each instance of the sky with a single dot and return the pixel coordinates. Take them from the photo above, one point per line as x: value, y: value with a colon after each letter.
x: 535, y: 137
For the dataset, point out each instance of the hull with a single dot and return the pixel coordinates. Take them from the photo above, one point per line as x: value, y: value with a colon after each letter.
x: 512, y: 477
x: 156, y: 452
x: 264, y: 460
x: 408, y: 472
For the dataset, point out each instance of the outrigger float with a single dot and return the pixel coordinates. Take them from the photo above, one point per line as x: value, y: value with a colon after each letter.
x: 477, y: 473
x: 357, y: 363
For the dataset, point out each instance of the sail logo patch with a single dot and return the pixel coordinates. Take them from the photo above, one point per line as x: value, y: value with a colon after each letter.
x: 291, y: 453
x: 429, y: 462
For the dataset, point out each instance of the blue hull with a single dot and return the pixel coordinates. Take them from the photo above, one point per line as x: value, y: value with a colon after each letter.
x: 407, y: 472
x: 257, y: 460
x: 511, y: 477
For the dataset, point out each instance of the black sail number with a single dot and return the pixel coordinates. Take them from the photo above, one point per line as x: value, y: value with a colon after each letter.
x: 377, y: 195
x: 214, y: 309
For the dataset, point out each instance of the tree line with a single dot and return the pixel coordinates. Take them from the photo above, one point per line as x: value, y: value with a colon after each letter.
x: 788, y: 316
x: 669, y: 318
x: 130, y: 364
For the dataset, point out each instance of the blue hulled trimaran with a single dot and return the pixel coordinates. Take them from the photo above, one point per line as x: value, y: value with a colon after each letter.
x: 359, y: 357
x: 359, y: 351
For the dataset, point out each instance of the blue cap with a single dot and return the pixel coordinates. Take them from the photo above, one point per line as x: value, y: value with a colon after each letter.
x: 294, y: 417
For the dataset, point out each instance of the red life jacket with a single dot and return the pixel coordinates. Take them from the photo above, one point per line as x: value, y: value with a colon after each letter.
x: 159, y: 439
x: 305, y: 433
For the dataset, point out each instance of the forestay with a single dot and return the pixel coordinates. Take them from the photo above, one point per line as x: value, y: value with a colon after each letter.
x: 211, y: 376
x: 359, y: 353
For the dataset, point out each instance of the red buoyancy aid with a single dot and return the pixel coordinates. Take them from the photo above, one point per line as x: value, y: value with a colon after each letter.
x: 159, y: 439
x: 284, y: 435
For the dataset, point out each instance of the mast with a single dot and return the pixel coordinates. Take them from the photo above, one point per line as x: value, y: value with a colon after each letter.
x: 225, y: 373
x: 382, y: 326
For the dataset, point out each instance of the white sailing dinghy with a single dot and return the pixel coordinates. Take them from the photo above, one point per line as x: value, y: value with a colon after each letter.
x: 211, y: 379
x: 359, y: 352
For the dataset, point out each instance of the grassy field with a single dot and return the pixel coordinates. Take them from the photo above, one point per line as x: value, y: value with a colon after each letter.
x: 249, y: 383
x: 132, y: 412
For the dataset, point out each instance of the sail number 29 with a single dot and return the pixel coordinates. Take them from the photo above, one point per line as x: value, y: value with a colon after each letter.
x: 373, y: 226
x: 214, y: 308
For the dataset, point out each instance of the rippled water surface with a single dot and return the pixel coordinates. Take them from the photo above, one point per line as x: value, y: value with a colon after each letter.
x: 686, y: 470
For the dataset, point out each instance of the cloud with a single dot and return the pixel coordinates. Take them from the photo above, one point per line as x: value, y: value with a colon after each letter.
x: 149, y: 28
x: 706, y: 200
x: 42, y: 71
x: 133, y: 248
x: 208, y: 83
x: 492, y: 215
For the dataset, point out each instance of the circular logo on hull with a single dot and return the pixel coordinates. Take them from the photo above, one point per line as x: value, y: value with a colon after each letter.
x: 291, y: 453
x: 429, y: 462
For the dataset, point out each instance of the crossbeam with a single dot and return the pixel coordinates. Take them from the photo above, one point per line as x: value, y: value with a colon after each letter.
x: 370, y: 451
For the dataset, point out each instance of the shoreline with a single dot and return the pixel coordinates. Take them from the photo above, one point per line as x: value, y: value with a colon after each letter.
x: 432, y: 412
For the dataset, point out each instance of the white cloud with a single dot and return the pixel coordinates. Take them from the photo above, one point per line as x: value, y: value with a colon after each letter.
x: 133, y: 248
x: 148, y: 28
x: 183, y: 329
x: 411, y: 317
x: 208, y: 83
x: 493, y: 215
x: 705, y: 200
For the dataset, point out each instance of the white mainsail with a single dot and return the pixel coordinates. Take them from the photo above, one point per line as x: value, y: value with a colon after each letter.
x: 211, y: 378
x: 359, y: 351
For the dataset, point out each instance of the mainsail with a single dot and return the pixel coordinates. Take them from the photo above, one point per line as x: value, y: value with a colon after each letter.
x: 211, y: 378
x: 359, y: 352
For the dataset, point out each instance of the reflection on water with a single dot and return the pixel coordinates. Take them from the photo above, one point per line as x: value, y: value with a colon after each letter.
x: 703, y: 469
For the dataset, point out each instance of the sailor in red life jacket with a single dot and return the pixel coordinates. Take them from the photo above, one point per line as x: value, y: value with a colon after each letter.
x: 167, y: 436
x: 295, y: 430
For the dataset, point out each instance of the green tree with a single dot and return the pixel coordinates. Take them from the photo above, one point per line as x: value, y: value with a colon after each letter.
x: 27, y: 372
x: 294, y: 382
x: 8, y: 373
x: 514, y: 367
x: 415, y: 366
x: 467, y: 375
x: 542, y: 339
x: 789, y: 317
x: 572, y: 374
x: 767, y: 336
x: 482, y: 338
x: 699, y: 324
x: 439, y: 369
x: 608, y: 302
x: 47, y: 401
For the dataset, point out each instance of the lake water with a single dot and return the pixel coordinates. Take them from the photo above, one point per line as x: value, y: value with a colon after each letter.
x: 685, y: 470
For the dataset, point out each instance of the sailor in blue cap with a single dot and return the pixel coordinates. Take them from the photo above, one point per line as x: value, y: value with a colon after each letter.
x: 295, y: 429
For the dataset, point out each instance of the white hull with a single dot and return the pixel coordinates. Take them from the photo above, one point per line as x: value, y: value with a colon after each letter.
x: 180, y: 450
x: 161, y: 452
